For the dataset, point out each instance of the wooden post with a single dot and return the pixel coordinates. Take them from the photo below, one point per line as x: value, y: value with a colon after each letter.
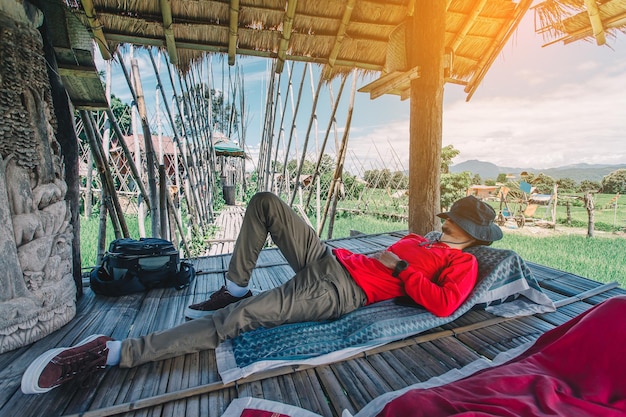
x: 149, y: 150
x: 590, y: 214
x: 163, y: 201
x: 425, y: 48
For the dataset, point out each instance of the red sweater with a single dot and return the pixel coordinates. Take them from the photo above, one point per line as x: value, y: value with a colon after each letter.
x: 438, y: 278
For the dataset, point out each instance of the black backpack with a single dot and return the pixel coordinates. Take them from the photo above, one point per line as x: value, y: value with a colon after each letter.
x: 132, y: 266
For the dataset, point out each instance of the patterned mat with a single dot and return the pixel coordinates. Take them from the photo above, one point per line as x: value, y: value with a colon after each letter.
x: 505, y: 285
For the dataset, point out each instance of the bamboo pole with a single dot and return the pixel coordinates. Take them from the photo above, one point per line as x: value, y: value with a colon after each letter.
x: 128, y: 155
x: 173, y: 126
x: 197, y: 148
x: 340, y: 161
x: 140, y: 200
x: 110, y: 198
x: 325, y: 141
x: 306, y: 139
x: 149, y: 151
x: 192, y: 174
x: 283, y: 111
x: 292, y: 130
x: 163, y: 202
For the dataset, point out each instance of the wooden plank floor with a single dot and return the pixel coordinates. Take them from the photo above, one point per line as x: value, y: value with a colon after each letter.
x: 326, y: 390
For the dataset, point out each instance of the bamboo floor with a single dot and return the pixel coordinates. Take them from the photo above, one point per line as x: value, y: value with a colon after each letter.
x: 190, y: 385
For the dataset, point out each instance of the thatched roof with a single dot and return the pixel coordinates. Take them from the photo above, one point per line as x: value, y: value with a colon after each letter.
x: 573, y: 20
x: 340, y: 35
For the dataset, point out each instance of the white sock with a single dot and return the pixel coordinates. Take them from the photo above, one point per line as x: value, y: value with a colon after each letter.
x: 235, y: 290
x: 115, y: 352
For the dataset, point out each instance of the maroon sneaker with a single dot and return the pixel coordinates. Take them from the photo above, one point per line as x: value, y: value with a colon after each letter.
x: 218, y: 299
x: 61, y: 365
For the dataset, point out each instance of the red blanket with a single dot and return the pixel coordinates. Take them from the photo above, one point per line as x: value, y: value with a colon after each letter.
x: 577, y: 369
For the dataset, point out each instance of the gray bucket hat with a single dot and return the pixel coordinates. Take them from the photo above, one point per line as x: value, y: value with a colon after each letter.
x: 475, y: 217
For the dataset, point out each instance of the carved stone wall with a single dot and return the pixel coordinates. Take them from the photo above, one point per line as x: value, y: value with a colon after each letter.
x: 37, y: 289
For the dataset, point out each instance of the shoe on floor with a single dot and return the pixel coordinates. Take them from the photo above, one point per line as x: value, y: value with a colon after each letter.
x: 218, y: 299
x: 61, y: 365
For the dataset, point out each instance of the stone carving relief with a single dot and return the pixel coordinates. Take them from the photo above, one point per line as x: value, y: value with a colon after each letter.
x: 37, y: 289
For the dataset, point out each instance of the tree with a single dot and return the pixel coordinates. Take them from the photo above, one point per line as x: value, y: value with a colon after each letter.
x: 454, y: 187
x: 122, y: 114
x: 477, y: 180
x: 501, y: 178
x: 448, y: 153
x: 615, y: 182
x: 566, y: 185
x: 588, y: 185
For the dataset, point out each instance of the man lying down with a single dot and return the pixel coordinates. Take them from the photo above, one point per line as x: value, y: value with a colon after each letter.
x: 327, y: 284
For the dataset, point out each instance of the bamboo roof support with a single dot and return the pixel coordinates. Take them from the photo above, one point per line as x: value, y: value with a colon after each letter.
x: 270, y: 135
x: 596, y: 22
x: 496, y: 46
x: 109, y: 195
x: 341, y: 158
x: 283, y: 112
x: 96, y: 28
x: 128, y: 155
x: 467, y: 25
x: 192, y: 173
x: 341, y: 34
x: 185, y: 162
x: 203, y: 105
x: 316, y: 173
x: 197, y: 146
x: 170, y: 42
x: 263, y: 152
x: 287, y: 27
x: 232, y: 31
x: 292, y: 130
x: 149, y: 150
x: 306, y: 139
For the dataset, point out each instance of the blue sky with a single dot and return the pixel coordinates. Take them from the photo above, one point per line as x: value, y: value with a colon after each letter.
x: 538, y: 107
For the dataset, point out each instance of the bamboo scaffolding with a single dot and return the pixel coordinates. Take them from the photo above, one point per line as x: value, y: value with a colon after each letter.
x: 191, y: 198
x: 192, y: 174
x: 306, y: 139
x: 148, y: 149
x: 197, y: 149
x: 128, y: 155
x: 292, y: 130
x: 265, y: 152
x: 110, y: 197
x: 283, y: 112
x: 316, y: 173
x: 341, y: 158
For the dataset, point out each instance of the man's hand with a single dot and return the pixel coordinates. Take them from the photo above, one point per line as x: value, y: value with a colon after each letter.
x: 388, y: 259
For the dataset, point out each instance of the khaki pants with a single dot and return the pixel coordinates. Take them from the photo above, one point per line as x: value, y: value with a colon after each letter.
x: 321, y: 289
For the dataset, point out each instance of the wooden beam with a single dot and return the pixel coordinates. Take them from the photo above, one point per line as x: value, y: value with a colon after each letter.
x: 166, y: 12
x: 596, y: 22
x: 496, y: 46
x: 77, y: 71
x: 389, y: 82
x: 233, y: 28
x: 341, y: 34
x: 96, y: 28
x: 158, y: 42
x: 284, y: 42
x: 469, y: 22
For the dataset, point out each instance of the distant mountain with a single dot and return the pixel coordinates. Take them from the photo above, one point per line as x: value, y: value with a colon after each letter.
x: 577, y: 172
